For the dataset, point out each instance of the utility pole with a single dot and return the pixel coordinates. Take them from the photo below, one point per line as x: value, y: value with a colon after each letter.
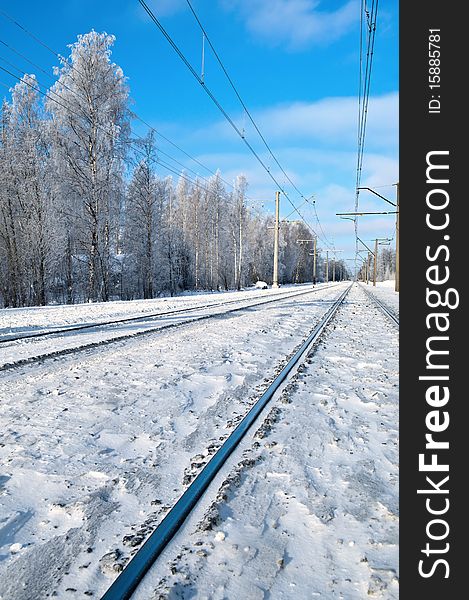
x: 314, y: 240
x: 396, y: 287
x: 375, y: 263
x: 333, y: 264
x: 355, y: 274
x: 378, y: 242
x: 396, y: 212
x: 276, y: 235
x: 327, y: 266
x: 314, y: 259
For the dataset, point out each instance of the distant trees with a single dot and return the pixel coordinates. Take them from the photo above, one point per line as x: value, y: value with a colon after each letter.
x: 385, y: 265
x: 86, y: 216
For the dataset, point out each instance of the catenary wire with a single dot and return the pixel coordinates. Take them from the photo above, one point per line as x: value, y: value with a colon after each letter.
x: 363, y: 96
x: 246, y: 110
x: 221, y: 109
x: 249, y: 115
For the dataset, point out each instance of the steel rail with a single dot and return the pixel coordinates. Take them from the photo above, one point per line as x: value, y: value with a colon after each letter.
x: 382, y: 306
x: 72, y: 328
x: 76, y: 349
x: 128, y: 580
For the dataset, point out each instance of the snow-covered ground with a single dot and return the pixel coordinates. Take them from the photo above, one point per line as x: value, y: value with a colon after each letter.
x: 96, y: 447
x: 384, y: 291
x: 26, y: 348
x: 45, y: 318
x: 310, y: 510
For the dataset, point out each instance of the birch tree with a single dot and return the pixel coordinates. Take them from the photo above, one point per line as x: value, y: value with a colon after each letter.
x: 10, y: 218
x: 238, y: 228
x: 88, y: 104
x: 31, y: 233
x: 142, y: 217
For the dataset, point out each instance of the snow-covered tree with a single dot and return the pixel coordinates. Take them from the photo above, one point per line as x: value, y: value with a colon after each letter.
x: 142, y: 220
x: 238, y: 218
x: 31, y: 233
x: 88, y: 104
x: 82, y: 219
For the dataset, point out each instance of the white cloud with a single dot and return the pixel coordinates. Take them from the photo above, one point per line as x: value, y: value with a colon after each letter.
x: 329, y: 121
x: 379, y: 171
x: 296, y: 23
x: 334, y: 119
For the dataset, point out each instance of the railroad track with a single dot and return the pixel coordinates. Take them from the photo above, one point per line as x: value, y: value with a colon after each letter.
x: 382, y: 306
x: 189, y: 315
x: 128, y: 580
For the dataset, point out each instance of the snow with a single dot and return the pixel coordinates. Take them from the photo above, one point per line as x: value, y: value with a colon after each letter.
x: 387, y: 283
x: 45, y: 318
x: 384, y: 291
x: 311, y: 510
x: 96, y: 447
x: 12, y: 351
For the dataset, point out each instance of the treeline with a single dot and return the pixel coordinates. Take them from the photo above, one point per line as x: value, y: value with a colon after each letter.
x: 385, y: 266
x: 85, y: 216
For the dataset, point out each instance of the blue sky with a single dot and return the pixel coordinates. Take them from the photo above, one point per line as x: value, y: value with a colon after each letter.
x: 296, y: 65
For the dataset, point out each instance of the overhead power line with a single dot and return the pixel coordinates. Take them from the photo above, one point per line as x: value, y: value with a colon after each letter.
x: 250, y: 117
x: 207, y: 90
x: 31, y: 35
x: 210, y: 94
x: 364, y: 93
x: 246, y: 110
